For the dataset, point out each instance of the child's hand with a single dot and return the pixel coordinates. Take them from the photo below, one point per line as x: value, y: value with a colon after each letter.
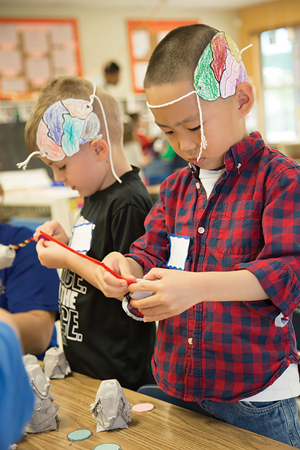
x: 53, y: 228
x: 173, y: 292
x: 109, y: 284
x: 52, y: 255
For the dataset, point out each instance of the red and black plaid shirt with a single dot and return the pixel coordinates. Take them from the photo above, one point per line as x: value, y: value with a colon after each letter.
x: 226, y: 351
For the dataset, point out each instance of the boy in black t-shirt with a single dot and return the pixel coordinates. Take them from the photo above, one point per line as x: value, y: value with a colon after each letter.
x: 76, y: 129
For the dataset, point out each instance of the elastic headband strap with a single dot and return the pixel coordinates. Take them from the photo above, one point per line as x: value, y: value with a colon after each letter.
x: 203, y: 143
x: 23, y: 165
x: 245, y: 48
x: 171, y: 103
x: 107, y: 132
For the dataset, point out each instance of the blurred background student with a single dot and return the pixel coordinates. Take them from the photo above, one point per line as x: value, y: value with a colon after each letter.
x: 29, y: 291
x: 133, y: 148
x: 106, y: 77
x: 111, y: 74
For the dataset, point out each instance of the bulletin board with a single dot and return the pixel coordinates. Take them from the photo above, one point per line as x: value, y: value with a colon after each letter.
x: 34, y: 51
x: 143, y: 38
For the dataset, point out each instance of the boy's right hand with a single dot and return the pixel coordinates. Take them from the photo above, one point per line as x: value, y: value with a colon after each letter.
x: 53, y: 255
x: 108, y: 283
x: 53, y: 228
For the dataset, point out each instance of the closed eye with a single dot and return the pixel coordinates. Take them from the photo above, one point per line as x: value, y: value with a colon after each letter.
x: 189, y: 129
x: 62, y: 168
x: 194, y: 129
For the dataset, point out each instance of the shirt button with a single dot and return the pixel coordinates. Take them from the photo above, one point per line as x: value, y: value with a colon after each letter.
x: 201, y: 230
x: 190, y: 341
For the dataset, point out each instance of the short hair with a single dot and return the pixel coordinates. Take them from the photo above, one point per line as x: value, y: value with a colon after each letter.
x: 78, y: 88
x: 111, y: 67
x: 176, y: 56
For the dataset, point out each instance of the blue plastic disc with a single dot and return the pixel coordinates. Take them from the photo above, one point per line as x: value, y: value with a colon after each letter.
x: 79, y: 435
x: 109, y: 446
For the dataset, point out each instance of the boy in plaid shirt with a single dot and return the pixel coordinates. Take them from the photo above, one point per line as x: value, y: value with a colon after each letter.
x: 221, y: 248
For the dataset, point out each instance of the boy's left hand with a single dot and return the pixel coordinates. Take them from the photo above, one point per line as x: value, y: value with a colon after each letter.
x: 173, y: 292
x: 52, y: 255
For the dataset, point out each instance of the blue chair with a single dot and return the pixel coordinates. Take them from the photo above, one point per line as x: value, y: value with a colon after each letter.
x: 157, y: 171
x: 154, y: 391
x: 296, y: 325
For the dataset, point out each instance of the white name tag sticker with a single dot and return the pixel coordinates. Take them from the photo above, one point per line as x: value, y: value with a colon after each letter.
x: 179, y: 248
x: 81, y: 240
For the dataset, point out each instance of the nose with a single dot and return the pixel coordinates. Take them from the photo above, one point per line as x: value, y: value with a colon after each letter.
x: 186, y: 144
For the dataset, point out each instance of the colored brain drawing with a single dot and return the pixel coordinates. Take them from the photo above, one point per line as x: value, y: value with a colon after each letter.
x: 220, y: 69
x: 65, y: 126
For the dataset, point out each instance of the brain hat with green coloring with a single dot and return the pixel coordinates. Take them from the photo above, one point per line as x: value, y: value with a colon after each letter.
x: 219, y: 71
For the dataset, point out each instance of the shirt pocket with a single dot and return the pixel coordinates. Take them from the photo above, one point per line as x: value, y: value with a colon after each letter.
x: 238, y: 229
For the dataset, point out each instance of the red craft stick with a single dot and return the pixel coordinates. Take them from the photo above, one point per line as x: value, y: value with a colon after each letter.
x: 47, y: 237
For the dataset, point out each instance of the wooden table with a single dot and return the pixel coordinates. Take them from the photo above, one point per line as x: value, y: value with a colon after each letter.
x: 167, y: 427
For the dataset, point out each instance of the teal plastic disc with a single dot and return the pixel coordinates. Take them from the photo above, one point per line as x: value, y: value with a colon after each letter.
x: 79, y: 435
x: 109, y: 446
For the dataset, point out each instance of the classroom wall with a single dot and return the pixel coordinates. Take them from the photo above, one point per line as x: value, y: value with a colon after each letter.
x: 253, y: 21
x: 103, y: 31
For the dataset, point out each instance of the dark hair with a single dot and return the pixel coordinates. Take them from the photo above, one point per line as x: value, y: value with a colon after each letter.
x: 177, y: 54
x: 111, y: 67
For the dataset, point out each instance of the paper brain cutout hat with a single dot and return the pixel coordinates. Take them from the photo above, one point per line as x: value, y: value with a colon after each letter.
x: 65, y: 126
x: 220, y: 69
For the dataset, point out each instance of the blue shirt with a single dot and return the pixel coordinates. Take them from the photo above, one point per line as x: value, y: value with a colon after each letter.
x: 16, y: 394
x: 27, y: 285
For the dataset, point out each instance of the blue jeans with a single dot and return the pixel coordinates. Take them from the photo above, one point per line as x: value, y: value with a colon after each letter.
x: 276, y: 420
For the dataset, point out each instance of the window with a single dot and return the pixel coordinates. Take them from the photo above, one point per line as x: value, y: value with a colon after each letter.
x: 280, y: 51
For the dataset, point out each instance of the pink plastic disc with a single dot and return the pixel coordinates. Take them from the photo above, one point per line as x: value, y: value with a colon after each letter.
x: 143, y: 407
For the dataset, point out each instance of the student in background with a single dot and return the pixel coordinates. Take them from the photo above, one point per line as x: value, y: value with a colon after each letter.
x: 106, y: 78
x: 221, y: 248
x: 111, y: 74
x: 77, y: 130
x: 132, y: 145
x: 16, y: 395
x: 29, y: 291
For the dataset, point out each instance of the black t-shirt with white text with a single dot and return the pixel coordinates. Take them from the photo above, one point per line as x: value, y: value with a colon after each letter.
x: 99, y: 339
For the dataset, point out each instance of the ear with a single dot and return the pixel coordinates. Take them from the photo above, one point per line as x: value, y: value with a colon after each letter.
x: 100, y: 148
x: 245, y: 97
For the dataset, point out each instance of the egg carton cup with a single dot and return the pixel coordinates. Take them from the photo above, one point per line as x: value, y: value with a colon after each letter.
x: 111, y: 408
x: 55, y: 363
